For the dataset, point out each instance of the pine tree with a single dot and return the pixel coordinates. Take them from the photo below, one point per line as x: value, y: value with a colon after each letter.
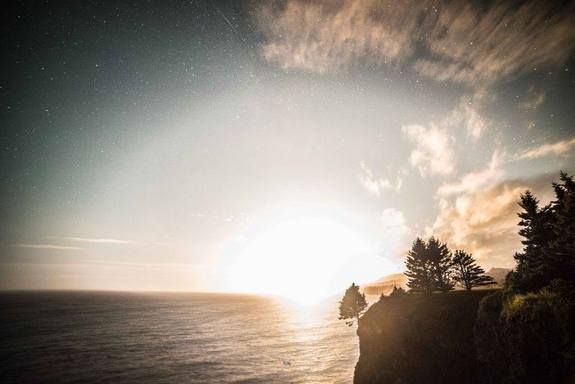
x: 419, y: 269
x: 442, y: 263
x: 537, y: 232
x: 467, y: 272
x: 560, y: 254
x: 352, y: 305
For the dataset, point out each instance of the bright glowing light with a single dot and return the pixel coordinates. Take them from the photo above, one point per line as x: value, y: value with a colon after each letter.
x: 305, y: 260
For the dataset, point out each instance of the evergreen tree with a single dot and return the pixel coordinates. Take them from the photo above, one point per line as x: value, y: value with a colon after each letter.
x: 419, y: 269
x: 537, y: 232
x: 352, y: 305
x: 560, y: 254
x: 429, y: 267
x: 467, y: 272
x: 442, y: 264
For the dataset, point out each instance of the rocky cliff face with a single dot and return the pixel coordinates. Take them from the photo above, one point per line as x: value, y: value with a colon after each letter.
x: 416, y: 339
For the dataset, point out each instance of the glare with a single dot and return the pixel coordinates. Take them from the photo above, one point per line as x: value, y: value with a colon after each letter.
x: 304, y: 260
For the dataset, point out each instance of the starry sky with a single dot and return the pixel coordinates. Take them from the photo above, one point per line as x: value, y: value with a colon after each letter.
x: 143, y: 144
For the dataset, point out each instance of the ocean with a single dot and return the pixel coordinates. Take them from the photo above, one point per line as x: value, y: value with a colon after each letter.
x: 95, y: 337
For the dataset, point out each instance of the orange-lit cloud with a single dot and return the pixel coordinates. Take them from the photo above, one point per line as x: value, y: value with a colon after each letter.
x: 482, y: 218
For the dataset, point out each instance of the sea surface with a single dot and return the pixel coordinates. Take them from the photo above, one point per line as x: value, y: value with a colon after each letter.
x: 87, y: 337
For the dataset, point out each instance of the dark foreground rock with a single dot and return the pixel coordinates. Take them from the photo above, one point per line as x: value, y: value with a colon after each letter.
x: 418, y: 339
x: 483, y: 336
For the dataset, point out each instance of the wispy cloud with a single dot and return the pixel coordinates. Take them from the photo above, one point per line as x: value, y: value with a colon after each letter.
x: 53, y: 247
x: 324, y: 36
x: 473, y: 44
x: 394, y: 230
x: 559, y: 148
x: 466, y: 115
x: 473, y: 181
x: 532, y: 100
x: 376, y: 186
x: 95, y: 240
x: 104, y: 240
x: 457, y: 41
x: 433, y: 153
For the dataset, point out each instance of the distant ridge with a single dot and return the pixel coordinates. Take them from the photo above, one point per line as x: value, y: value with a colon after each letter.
x: 385, y: 284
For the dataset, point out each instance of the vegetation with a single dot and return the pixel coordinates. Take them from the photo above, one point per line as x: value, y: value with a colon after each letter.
x: 431, y: 267
x: 397, y: 292
x: 352, y: 305
x: 526, y: 333
x: 523, y: 333
x: 467, y: 272
x: 549, y: 239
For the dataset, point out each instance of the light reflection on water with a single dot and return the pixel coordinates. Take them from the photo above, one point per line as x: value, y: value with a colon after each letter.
x: 197, y: 338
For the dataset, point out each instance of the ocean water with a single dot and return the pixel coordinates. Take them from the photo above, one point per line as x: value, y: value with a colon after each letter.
x: 63, y: 337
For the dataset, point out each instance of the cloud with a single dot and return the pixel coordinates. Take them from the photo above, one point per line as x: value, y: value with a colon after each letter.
x: 466, y: 115
x: 532, y: 100
x: 105, y: 241
x: 433, y: 153
x: 474, y: 44
x: 95, y: 240
x: 392, y: 218
x: 54, y: 247
x: 483, y: 223
x: 376, y: 186
x: 473, y: 181
x: 456, y: 41
x: 560, y: 148
x: 324, y: 36
x: 394, y: 232
x: 482, y: 218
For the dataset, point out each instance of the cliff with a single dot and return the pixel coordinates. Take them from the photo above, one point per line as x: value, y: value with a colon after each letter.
x: 477, y: 337
x: 418, y: 339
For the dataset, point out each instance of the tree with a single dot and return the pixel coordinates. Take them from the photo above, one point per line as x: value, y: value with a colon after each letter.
x: 352, y: 305
x: 397, y: 292
x: 537, y: 231
x: 429, y: 266
x: 548, y: 239
x: 442, y: 265
x: 560, y: 254
x: 467, y: 272
x: 419, y: 269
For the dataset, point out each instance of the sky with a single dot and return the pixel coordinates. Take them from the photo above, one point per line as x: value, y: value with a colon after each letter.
x: 244, y: 145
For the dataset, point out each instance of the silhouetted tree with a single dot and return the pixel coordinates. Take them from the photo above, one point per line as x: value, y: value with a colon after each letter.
x: 429, y: 266
x: 419, y: 269
x: 397, y: 292
x: 560, y: 254
x: 537, y: 232
x: 352, y: 305
x: 467, y: 273
x: 442, y: 265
